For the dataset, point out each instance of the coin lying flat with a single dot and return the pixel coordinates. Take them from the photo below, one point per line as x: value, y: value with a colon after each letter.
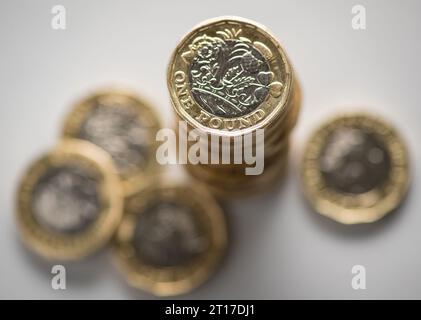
x: 121, y: 124
x: 69, y: 201
x: 171, y: 239
x: 355, y: 169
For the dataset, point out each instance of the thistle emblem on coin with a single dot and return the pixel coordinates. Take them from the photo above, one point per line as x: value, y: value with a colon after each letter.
x: 229, y: 74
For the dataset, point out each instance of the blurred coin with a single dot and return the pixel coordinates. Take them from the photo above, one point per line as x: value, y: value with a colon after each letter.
x: 171, y: 239
x: 69, y: 201
x: 355, y: 169
x: 121, y: 124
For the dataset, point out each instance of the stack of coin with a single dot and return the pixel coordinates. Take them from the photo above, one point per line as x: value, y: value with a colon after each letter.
x: 230, y: 80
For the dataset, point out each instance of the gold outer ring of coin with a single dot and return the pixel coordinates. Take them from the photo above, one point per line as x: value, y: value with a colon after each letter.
x: 56, y: 246
x: 170, y: 281
x: 272, y: 107
x: 273, y: 137
x: 272, y: 146
x: 280, y: 128
x: 371, y: 205
x: 140, y: 106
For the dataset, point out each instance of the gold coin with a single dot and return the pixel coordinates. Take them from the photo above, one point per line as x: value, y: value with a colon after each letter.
x: 123, y: 125
x: 355, y: 169
x: 171, y: 238
x: 232, y: 180
x: 229, y: 76
x: 69, y: 202
x: 226, y: 171
x: 255, y: 186
x: 288, y: 122
x: 273, y: 138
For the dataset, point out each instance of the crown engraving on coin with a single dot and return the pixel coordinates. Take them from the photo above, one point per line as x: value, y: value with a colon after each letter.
x: 229, y: 76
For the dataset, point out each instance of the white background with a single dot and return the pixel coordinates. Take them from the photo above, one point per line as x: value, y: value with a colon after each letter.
x: 279, y: 248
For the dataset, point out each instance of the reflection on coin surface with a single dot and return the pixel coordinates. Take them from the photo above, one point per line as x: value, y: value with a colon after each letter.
x: 355, y: 169
x: 66, y: 199
x: 354, y: 161
x: 171, y: 238
x: 167, y: 234
x: 122, y: 125
x: 229, y: 74
x: 69, y: 201
x: 119, y: 133
x: 229, y: 78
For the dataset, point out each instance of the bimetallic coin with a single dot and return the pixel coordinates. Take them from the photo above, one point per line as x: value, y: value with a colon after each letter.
x: 168, y: 234
x: 122, y: 125
x: 355, y: 169
x: 233, y: 59
x: 171, y: 239
x: 227, y: 78
x: 231, y: 179
x: 229, y: 75
x: 69, y: 202
x: 66, y: 199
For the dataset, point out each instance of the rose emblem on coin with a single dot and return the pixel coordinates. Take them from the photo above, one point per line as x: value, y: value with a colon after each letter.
x: 229, y: 76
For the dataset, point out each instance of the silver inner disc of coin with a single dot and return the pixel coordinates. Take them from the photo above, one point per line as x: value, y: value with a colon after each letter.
x: 168, y: 234
x: 354, y: 161
x: 119, y: 132
x: 66, y: 200
x: 229, y: 78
